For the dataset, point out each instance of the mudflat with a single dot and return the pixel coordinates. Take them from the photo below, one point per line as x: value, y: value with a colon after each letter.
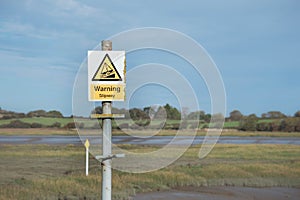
x: 225, y: 193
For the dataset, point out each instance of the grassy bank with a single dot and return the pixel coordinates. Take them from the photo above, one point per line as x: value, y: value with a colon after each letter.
x: 46, y: 121
x: 36, y: 131
x: 61, y: 131
x: 57, y: 172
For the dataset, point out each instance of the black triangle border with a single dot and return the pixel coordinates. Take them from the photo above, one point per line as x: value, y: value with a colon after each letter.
x: 94, y: 79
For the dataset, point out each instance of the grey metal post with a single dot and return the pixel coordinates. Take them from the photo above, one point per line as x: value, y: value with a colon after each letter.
x: 106, y: 141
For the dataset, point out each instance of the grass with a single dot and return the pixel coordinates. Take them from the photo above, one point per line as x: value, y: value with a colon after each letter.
x: 203, y: 133
x: 234, y: 124
x: 41, y: 120
x: 36, y: 131
x: 258, y: 133
x: 57, y: 172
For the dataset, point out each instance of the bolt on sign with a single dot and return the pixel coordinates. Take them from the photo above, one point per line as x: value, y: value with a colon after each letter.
x: 106, y: 75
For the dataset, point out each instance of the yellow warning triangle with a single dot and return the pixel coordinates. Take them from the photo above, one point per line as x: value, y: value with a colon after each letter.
x: 107, y: 71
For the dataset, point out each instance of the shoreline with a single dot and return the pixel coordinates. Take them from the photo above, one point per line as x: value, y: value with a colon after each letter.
x: 142, y: 133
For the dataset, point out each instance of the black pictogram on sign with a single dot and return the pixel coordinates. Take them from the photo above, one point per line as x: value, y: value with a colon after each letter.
x: 107, y: 71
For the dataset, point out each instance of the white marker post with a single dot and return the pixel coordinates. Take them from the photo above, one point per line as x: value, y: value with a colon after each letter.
x: 87, y: 145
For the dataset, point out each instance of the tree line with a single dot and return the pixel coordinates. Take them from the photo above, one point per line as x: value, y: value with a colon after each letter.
x: 269, y: 121
x: 17, y: 123
x: 37, y: 113
x: 160, y: 112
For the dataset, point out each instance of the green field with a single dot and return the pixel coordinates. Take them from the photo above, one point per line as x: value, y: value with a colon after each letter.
x: 57, y: 172
x: 234, y: 124
x: 36, y: 131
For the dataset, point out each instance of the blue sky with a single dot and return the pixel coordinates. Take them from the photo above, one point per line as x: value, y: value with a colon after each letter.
x: 255, y: 45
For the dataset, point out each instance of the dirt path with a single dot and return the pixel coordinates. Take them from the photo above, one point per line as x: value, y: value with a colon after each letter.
x: 225, y: 193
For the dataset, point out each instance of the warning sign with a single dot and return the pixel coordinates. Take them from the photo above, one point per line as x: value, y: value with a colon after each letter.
x: 107, y: 92
x: 106, y: 75
x: 107, y: 71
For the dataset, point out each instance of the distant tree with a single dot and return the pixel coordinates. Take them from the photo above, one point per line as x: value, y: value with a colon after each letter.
x: 54, y: 114
x: 147, y: 109
x: 172, y: 112
x: 273, y: 115
x: 161, y: 113
x: 11, y: 115
x: 36, y: 125
x: 197, y: 115
x: 20, y: 115
x: 207, y: 117
x: 264, y: 115
x: 16, y: 124
x: 55, y: 125
x: 263, y: 126
x: 235, y: 115
x: 150, y: 111
x: 193, y: 116
x: 297, y: 125
x: 137, y: 114
x: 248, y: 123
x: 297, y: 114
x: 37, y: 113
x: 283, y: 125
x: 290, y: 124
x: 70, y: 125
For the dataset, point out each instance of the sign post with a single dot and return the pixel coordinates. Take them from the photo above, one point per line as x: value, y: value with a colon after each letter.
x: 106, y: 141
x: 106, y: 76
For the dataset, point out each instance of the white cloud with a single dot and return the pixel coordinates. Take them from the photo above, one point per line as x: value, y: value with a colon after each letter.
x: 74, y: 12
x: 74, y: 7
x: 11, y: 59
x: 22, y: 29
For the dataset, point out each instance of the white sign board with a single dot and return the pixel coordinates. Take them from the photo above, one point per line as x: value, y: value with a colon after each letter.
x: 106, y: 75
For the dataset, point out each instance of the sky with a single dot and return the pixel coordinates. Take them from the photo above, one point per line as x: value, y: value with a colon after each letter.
x: 255, y: 45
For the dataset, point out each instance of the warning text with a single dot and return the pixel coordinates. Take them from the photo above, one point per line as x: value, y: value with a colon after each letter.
x: 102, y: 92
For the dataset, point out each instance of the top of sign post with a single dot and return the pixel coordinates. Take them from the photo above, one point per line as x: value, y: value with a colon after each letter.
x: 106, y: 75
